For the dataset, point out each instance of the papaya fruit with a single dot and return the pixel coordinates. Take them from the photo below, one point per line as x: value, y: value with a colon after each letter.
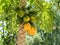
x: 26, y: 19
x: 21, y: 13
x: 32, y: 31
x: 27, y: 26
x: 33, y: 19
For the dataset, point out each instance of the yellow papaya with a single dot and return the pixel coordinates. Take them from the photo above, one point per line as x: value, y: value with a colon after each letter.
x: 32, y: 31
x: 27, y: 26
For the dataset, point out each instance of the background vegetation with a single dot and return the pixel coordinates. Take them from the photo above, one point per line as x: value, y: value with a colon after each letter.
x: 46, y: 19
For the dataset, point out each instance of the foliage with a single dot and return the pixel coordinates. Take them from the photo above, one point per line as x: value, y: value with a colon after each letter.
x: 38, y: 13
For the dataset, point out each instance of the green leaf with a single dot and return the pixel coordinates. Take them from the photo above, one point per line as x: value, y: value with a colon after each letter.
x: 0, y: 24
x: 31, y: 1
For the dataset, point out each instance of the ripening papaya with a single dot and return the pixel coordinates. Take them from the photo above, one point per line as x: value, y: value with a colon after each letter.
x: 33, y: 19
x: 21, y: 13
x: 32, y: 31
x: 26, y: 19
x: 27, y: 26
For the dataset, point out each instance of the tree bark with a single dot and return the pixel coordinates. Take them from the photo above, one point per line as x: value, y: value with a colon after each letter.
x: 23, y: 3
x: 21, y: 32
x: 21, y: 35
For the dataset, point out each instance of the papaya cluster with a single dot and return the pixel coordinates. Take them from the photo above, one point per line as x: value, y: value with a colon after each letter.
x: 28, y: 17
x: 31, y: 30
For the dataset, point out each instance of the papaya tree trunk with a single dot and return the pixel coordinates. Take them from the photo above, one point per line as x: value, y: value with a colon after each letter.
x: 21, y: 35
x: 21, y: 32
